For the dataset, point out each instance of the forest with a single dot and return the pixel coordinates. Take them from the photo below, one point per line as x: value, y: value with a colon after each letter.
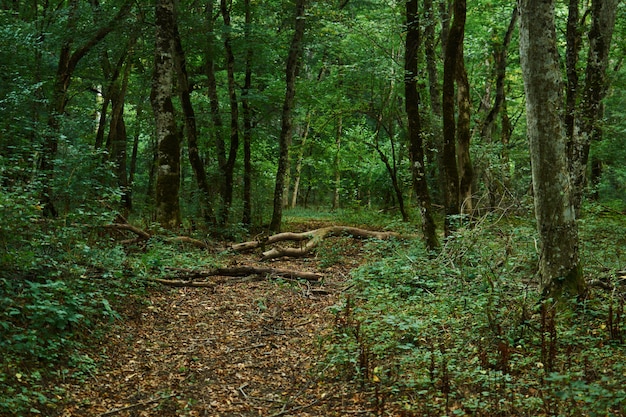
x: 312, y: 208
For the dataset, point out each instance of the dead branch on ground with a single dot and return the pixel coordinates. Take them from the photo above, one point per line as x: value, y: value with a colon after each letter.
x: 185, y: 277
x: 312, y: 239
x: 142, y: 235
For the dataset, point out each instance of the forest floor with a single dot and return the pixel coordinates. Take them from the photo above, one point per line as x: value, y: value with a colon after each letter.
x: 246, y: 348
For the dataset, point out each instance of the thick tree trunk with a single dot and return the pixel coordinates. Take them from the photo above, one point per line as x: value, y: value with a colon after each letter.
x: 603, y: 14
x: 416, y: 146
x: 168, y: 141
x: 286, y: 125
x: 559, y: 267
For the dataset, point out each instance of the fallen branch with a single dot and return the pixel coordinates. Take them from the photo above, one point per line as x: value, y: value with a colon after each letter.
x: 238, y: 271
x: 312, y: 238
x: 144, y: 235
x: 139, y: 404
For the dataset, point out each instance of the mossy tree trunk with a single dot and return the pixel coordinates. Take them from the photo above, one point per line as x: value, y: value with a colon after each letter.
x: 559, y: 267
x: 168, y: 140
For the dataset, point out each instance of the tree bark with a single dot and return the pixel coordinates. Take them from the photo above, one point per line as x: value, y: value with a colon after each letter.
x: 573, y: 39
x: 168, y: 141
x: 118, y: 138
x: 337, y: 163
x: 559, y: 268
x: 463, y: 133
x: 246, y: 218
x: 450, y: 168
x: 197, y: 165
x: 68, y: 61
x: 416, y: 146
x: 299, y: 161
x: 229, y: 164
x: 499, y: 108
x: 286, y: 124
x: 603, y: 15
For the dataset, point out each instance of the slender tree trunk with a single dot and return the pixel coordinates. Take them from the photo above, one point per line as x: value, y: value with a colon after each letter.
x: 299, y: 161
x: 559, y: 268
x: 246, y: 218
x: 133, y: 157
x: 337, y: 163
x: 463, y: 133
x: 168, y: 164
x: 218, y: 125
x: 286, y: 125
x: 68, y: 61
x: 229, y: 166
x: 197, y: 165
x: 499, y: 106
x: 433, y: 143
x: 117, y: 139
x: 450, y: 168
x: 603, y: 14
x: 416, y: 146
x: 573, y: 39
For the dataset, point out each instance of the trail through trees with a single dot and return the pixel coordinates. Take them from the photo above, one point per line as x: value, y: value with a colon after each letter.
x: 243, y: 347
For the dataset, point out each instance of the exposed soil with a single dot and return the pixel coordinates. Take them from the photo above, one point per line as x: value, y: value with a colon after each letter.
x: 250, y: 348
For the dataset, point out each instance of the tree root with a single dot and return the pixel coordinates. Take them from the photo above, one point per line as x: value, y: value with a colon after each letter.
x: 312, y: 239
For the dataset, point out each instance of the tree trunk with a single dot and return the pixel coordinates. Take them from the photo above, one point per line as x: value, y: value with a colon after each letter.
x: 216, y: 117
x: 299, y: 161
x: 573, y: 39
x: 168, y: 141
x: 65, y: 69
x: 463, y: 133
x: 197, y: 165
x: 117, y: 140
x: 416, y: 146
x: 229, y: 167
x: 286, y: 125
x: 246, y: 217
x: 499, y: 108
x: 559, y: 268
x: 450, y: 168
x: 337, y: 163
x: 603, y: 13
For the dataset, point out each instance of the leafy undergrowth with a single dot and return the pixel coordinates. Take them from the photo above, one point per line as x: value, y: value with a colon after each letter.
x: 463, y: 332
x: 392, y: 330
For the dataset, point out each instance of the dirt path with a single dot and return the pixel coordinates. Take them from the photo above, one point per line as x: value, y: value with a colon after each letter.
x: 248, y: 349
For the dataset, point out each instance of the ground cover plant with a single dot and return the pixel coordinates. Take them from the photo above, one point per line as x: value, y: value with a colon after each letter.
x: 465, y: 332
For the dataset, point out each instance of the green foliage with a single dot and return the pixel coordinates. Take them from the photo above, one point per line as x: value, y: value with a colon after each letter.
x: 465, y: 332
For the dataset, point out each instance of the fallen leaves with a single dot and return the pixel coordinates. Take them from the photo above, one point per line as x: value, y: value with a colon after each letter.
x: 249, y: 349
